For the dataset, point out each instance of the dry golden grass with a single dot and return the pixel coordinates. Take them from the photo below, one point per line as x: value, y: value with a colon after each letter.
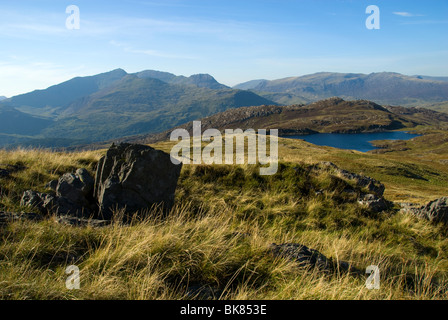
x: 218, y: 234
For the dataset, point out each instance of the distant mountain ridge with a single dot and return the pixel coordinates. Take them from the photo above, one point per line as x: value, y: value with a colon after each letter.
x: 198, y: 80
x: 2, y: 98
x: 115, y: 104
x: 384, y: 88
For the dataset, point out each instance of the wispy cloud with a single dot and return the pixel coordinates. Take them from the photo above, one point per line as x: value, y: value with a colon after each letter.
x: 149, y: 52
x: 407, y: 14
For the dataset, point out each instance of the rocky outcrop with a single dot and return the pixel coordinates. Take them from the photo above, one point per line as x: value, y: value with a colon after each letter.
x: 372, y: 193
x: 129, y: 177
x: 372, y: 185
x: 435, y: 211
x: 135, y: 177
x: 74, y: 196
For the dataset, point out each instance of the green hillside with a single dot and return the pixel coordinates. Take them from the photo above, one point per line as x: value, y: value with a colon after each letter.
x: 115, y: 105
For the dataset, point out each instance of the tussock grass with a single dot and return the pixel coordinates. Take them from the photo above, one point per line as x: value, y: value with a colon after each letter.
x: 215, y: 242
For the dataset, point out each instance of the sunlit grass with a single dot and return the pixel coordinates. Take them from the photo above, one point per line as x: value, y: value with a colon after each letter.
x: 218, y: 234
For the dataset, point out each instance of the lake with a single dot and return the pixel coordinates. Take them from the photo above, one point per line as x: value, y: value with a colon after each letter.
x: 353, y: 141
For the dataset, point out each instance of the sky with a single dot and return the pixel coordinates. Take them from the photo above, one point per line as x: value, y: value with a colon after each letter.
x: 233, y: 40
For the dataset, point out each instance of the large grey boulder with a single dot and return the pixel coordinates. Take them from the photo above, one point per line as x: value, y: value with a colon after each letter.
x: 135, y: 177
x: 435, y: 211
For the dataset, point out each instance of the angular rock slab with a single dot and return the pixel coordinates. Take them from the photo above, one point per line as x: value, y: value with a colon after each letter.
x: 135, y: 177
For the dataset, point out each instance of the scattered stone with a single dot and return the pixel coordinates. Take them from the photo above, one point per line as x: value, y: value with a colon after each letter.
x: 301, y: 254
x: 82, y: 222
x: 134, y: 177
x: 435, y: 211
x: 370, y: 184
x: 40, y: 201
x: 74, y: 195
x: 374, y: 203
x: 374, y: 200
x: 306, y: 257
x: 8, y: 217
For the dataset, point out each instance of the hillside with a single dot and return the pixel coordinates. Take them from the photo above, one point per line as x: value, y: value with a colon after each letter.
x: 217, y: 241
x: 2, y: 98
x: 117, y: 104
x: 440, y: 107
x: 59, y: 96
x: 333, y: 115
x: 382, y: 88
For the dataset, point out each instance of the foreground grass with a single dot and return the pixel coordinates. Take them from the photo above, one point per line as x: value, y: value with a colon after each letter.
x: 217, y: 237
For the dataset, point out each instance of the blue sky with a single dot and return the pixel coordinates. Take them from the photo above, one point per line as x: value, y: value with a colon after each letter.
x: 235, y: 41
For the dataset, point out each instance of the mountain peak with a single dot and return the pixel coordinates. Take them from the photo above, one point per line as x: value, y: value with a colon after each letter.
x: 206, y: 81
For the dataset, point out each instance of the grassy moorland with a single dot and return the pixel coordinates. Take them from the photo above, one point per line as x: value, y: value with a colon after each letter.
x: 217, y: 236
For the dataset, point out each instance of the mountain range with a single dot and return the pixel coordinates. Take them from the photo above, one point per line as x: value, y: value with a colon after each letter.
x: 117, y: 104
x: 382, y: 88
x: 2, y: 98
x: 113, y: 105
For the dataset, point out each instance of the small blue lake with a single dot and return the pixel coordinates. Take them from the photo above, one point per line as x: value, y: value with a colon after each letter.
x: 353, y: 141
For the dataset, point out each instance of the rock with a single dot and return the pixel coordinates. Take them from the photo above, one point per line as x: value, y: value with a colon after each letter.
x: 53, y: 184
x: 76, y: 188
x: 372, y: 185
x: 4, y: 173
x: 435, y: 211
x: 306, y: 257
x: 374, y: 203
x: 8, y: 217
x: 81, y: 222
x: 135, y: 177
x: 301, y: 254
x: 43, y: 202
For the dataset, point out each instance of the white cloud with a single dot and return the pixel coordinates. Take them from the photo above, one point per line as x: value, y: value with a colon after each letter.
x: 407, y: 14
x: 149, y: 52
